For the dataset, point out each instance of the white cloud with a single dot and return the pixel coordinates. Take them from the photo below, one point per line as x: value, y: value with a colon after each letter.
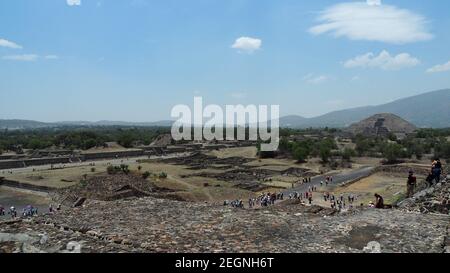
x: 439, y: 68
x: 22, y: 58
x: 313, y: 79
x: 372, y: 21
x: 374, y: 2
x: 384, y: 61
x: 29, y: 57
x: 9, y: 44
x: 73, y: 2
x: 247, y: 44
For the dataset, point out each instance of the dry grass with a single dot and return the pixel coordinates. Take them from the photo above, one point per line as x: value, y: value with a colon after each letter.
x: 246, y: 152
x: 387, y: 185
x: 57, y: 178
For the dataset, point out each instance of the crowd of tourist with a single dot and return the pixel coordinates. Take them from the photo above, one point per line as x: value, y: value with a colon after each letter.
x: 28, y: 211
x: 12, y: 211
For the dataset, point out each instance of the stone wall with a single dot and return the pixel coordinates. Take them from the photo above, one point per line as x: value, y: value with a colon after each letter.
x: 25, y: 186
x: 108, y: 155
x: 14, y: 164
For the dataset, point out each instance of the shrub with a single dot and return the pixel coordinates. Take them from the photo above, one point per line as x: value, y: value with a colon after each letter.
x: 163, y: 175
x: 115, y: 169
x: 146, y: 175
x: 125, y: 168
x: 111, y: 170
x: 92, y: 170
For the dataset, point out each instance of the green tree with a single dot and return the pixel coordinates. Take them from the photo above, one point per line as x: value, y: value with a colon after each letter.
x: 442, y: 150
x: 325, y: 153
x: 362, y: 146
x: 348, y: 153
x: 301, y: 154
x: 392, y: 152
x: 417, y: 149
x: 126, y: 140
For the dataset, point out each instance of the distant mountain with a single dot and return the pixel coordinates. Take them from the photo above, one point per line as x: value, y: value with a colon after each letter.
x: 22, y: 124
x: 117, y: 123
x: 431, y: 109
x: 292, y: 121
x: 16, y: 124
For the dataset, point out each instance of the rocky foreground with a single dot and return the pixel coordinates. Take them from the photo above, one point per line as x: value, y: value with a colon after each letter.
x: 158, y: 225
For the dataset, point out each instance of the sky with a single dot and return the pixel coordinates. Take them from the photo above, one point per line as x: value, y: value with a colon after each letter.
x: 134, y: 60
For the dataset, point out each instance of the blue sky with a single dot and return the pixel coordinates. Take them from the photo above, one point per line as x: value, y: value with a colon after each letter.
x: 135, y: 59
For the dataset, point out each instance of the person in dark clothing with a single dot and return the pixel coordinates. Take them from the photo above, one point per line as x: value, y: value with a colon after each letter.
x: 411, y: 184
x: 430, y: 178
x: 379, y: 201
x: 438, y: 164
x: 437, y: 170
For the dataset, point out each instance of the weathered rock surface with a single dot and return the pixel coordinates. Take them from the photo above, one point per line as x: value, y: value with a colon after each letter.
x: 157, y: 225
x: 434, y: 199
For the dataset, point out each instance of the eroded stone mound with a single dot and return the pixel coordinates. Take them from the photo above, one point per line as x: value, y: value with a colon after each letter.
x: 198, y: 161
x: 111, y: 187
x: 163, y: 140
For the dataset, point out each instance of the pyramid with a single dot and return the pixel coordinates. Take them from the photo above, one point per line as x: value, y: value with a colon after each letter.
x: 382, y: 125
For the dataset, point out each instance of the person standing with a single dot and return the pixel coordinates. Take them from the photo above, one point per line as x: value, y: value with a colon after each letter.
x: 411, y: 184
x: 437, y: 170
x: 379, y: 201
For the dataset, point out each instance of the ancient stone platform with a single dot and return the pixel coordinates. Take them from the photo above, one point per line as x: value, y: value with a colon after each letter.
x: 158, y: 225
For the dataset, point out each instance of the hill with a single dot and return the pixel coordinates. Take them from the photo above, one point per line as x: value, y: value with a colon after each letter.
x: 22, y: 124
x: 431, y: 109
x: 16, y: 124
